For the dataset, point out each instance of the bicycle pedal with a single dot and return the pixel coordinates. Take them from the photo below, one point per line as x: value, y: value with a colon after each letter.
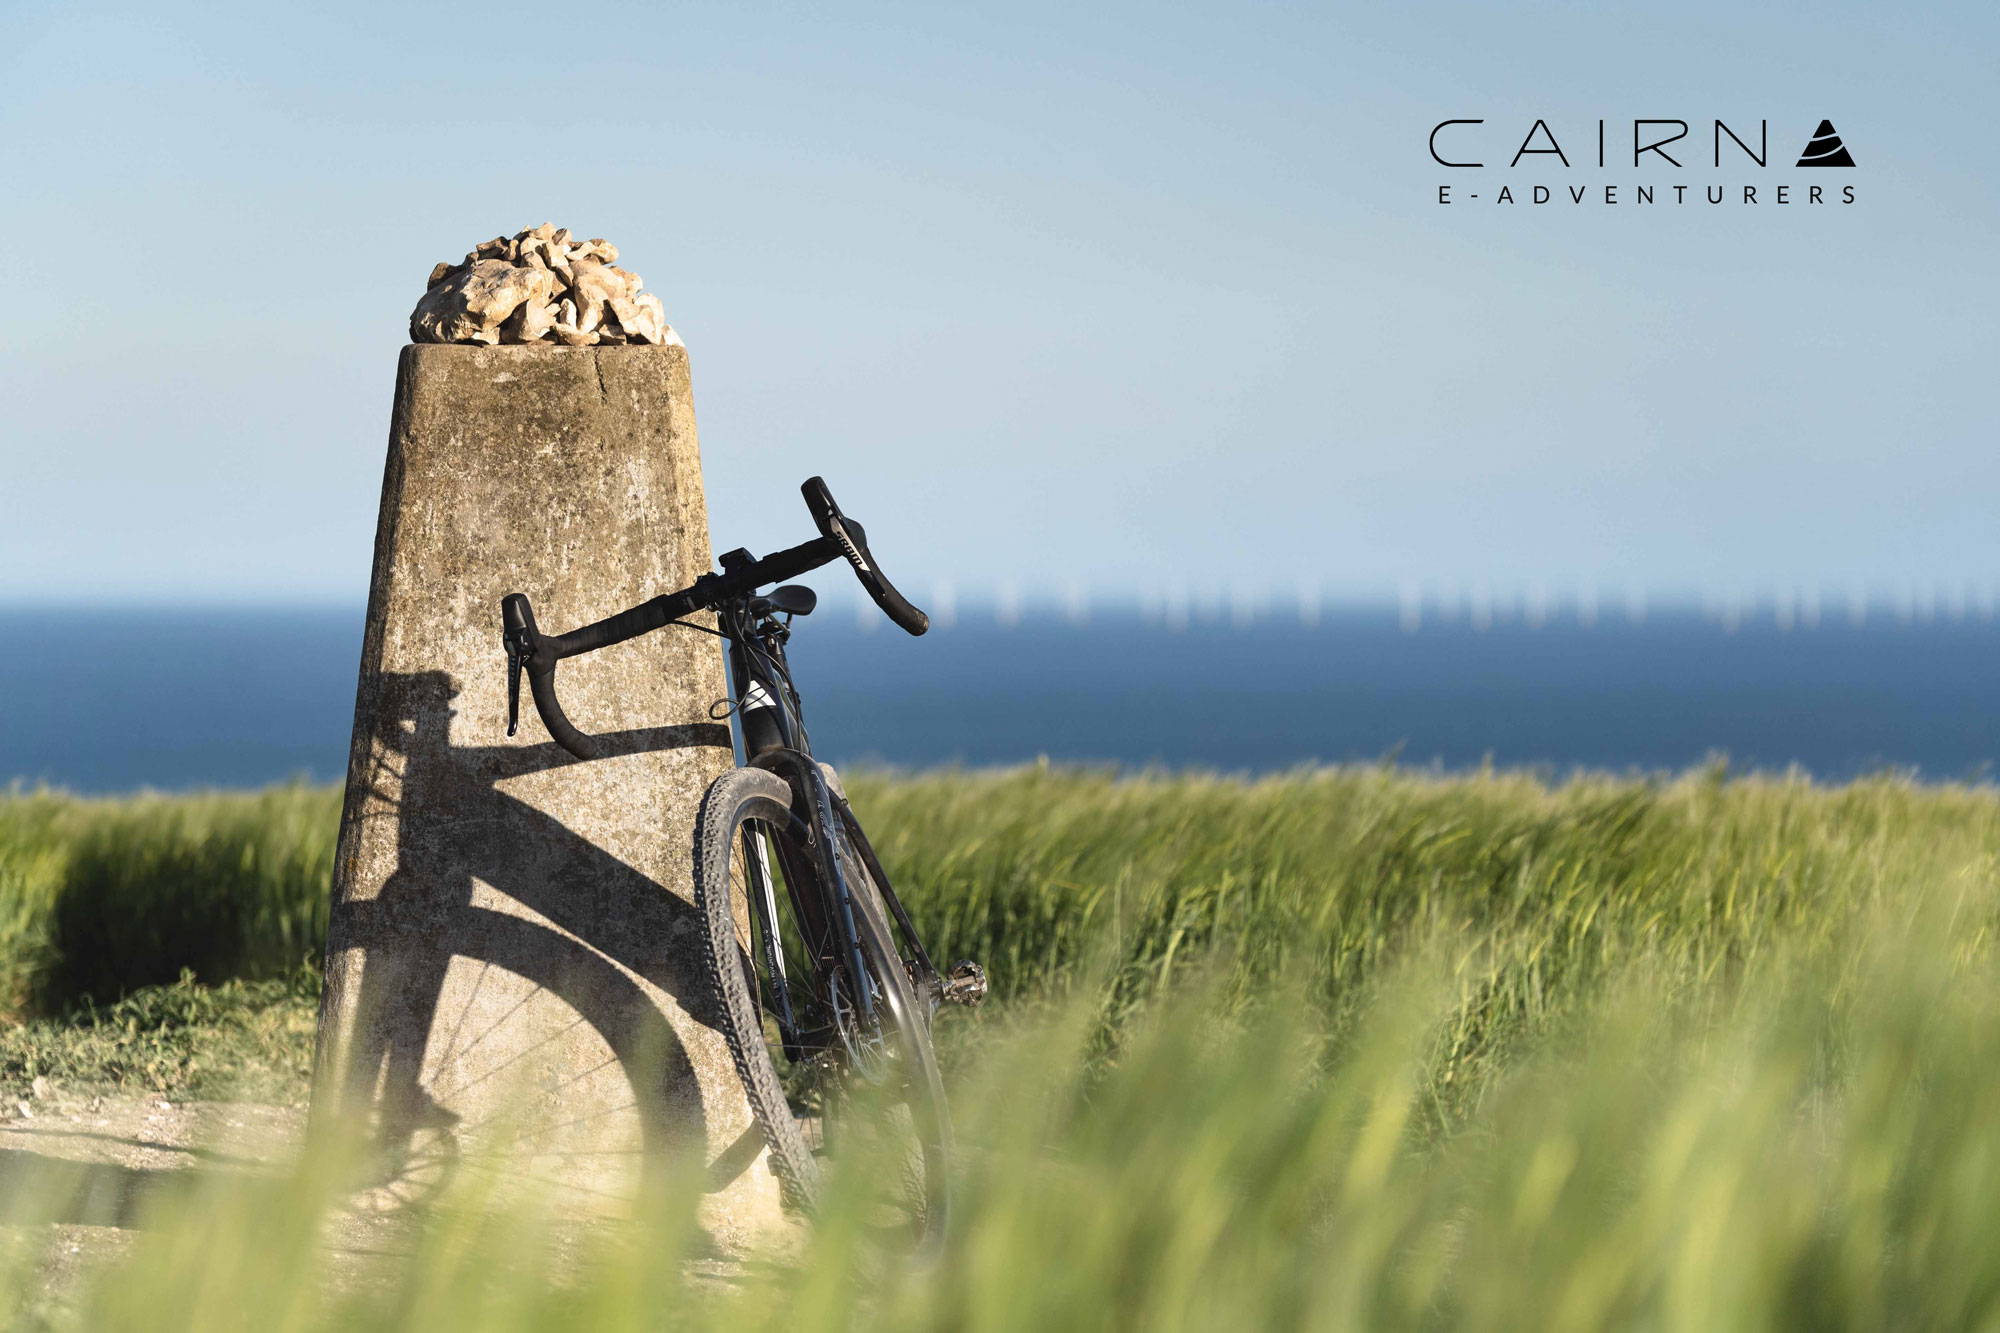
x: 965, y: 983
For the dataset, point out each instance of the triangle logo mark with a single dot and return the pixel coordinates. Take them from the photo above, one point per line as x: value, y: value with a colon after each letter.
x: 1825, y: 149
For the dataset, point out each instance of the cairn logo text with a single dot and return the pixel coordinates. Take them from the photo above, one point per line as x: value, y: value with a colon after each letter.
x: 1671, y: 163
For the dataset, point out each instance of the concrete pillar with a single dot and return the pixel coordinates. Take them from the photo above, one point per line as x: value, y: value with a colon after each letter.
x: 513, y: 964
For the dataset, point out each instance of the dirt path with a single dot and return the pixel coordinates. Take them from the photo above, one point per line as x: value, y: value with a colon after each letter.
x: 86, y: 1169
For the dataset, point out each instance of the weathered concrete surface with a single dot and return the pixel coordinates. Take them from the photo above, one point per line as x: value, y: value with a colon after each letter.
x: 513, y: 975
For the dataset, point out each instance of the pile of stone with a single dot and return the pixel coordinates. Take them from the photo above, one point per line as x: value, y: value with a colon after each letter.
x: 541, y: 285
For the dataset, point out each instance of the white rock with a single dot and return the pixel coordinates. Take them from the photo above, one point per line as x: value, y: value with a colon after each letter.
x: 642, y: 317
x: 593, y: 284
x: 540, y: 285
x: 470, y: 306
x: 530, y: 323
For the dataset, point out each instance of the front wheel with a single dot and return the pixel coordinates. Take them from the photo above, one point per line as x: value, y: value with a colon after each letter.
x: 802, y: 1027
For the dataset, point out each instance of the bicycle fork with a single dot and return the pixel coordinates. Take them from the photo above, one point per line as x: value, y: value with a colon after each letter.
x: 764, y: 905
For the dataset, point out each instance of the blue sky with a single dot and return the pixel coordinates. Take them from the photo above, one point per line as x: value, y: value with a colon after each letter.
x: 1125, y: 295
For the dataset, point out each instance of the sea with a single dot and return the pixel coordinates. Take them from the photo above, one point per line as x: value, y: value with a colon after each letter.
x: 105, y: 700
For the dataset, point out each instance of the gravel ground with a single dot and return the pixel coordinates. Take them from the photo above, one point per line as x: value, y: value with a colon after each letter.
x: 101, y: 1158
x: 98, y: 1160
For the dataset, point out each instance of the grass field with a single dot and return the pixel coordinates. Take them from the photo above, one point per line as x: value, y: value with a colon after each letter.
x: 1354, y: 1048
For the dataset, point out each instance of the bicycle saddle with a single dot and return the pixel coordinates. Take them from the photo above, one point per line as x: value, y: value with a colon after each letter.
x: 792, y: 600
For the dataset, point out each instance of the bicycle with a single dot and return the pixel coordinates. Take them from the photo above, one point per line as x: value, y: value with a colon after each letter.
x: 800, y: 920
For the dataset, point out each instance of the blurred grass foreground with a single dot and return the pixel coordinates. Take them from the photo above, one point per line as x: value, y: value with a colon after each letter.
x: 1352, y: 1048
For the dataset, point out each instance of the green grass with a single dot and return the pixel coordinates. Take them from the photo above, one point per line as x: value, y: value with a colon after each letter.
x: 101, y: 897
x: 1347, y: 1049
x: 1317, y: 882
x: 238, y: 1039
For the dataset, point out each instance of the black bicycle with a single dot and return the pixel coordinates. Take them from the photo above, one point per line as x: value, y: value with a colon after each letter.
x: 821, y: 977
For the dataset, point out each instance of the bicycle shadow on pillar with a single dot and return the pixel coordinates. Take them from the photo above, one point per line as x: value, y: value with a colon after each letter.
x: 498, y: 1000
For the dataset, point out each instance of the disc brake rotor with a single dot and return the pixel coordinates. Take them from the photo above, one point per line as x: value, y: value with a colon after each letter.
x: 868, y: 1053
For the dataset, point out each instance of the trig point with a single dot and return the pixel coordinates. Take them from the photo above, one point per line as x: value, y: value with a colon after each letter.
x: 514, y: 981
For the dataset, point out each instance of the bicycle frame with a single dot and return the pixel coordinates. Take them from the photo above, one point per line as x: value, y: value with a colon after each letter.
x: 770, y: 726
x: 868, y: 998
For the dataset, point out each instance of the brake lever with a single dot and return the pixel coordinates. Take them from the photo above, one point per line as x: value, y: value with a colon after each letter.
x: 850, y: 545
x: 514, y: 663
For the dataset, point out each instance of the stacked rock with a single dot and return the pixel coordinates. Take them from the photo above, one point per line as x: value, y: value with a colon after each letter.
x: 539, y: 286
